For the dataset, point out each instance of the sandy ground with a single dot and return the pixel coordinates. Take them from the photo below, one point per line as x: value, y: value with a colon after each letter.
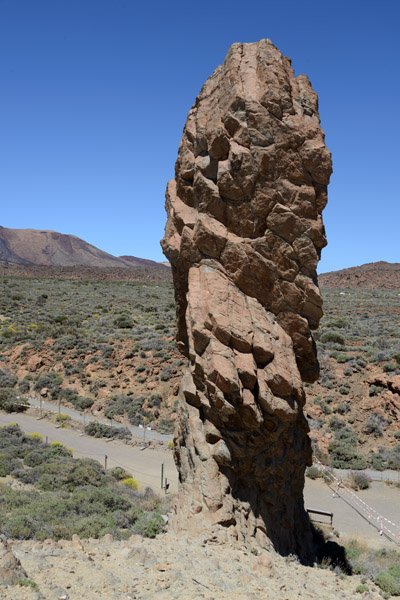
x: 171, y: 568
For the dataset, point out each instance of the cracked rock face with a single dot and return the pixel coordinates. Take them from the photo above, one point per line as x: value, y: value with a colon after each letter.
x: 244, y: 236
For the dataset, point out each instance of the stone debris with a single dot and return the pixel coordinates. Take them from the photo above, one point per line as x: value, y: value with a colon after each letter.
x: 11, y: 570
x: 244, y: 235
x: 180, y: 569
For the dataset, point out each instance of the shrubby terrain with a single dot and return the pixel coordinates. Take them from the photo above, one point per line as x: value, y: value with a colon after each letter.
x: 53, y: 495
x: 102, y: 346
x: 108, y: 347
x: 354, y: 408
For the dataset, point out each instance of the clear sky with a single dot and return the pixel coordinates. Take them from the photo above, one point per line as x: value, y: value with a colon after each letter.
x: 94, y: 95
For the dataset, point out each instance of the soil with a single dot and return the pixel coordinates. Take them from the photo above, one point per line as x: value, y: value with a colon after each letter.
x: 169, y: 568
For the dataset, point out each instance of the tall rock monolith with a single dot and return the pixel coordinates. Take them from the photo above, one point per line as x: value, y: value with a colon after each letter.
x: 244, y: 236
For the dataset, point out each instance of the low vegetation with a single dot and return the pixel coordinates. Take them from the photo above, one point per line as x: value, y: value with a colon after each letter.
x: 381, y: 567
x: 103, y: 345
x: 58, y: 495
x: 108, y: 347
x: 353, y: 409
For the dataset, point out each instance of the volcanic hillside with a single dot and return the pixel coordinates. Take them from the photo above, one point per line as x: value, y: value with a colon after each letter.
x: 371, y: 276
x: 50, y: 248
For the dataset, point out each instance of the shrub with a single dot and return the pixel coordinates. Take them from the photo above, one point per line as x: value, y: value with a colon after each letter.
x: 166, y: 426
x: 28, y: 583
x: 82, y: 402
x: 166, y: 374
x: 108, y: 431
x: 344, y: 390
x: 333, y: 336
x: 62, y: 417
x: 359, y: 481
x: 313, y: 472
x: 374, y: 425
x: 374, y: 390
x: 35, y: 436
x: 155, y: 401
x: 124, y: 322
x: 389, y: 581
x: 119, y: 473
x: 343, y: 408
x: 394, y: 458
x: 335, y: 423
x: 378, y: 461
x: 24, y: 386
x: 7, y: 465
x: 389, y: 367
x: 10, y: 403
x: 131, y: 483
x: 344, y: 456
x: 149, y: 525
x: 342, y: 358
x: 36, y: 457
x: 6, y: 379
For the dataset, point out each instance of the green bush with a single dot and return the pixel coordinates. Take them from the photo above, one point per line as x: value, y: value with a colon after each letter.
x: 124, y: 322
x: 108, y: 431
x: 344, y: 390
x: 6, y: 379
x: 374, y: 390
x: 119, y: 473
x: 10, y: 403
x: 333, y: 336
x: 359, y: 480
x: 389, y: 367
x: 7, y: 465
x: 313, y: 472
x: 374, y: 425
x: 149, y: 525
x: 389, y: 581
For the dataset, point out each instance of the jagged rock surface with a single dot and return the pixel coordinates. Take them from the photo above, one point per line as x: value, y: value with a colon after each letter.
x: 11, y: 570
x: 244, y: 236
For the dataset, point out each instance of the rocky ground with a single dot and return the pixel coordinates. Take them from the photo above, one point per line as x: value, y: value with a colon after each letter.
x: 371, y: 276
x: 168, y: 568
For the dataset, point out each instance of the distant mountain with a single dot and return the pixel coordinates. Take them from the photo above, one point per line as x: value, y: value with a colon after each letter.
x: 371, y: 276
x: 50, y: 248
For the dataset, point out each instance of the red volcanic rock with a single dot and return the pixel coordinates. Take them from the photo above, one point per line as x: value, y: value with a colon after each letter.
x: 244, y: 236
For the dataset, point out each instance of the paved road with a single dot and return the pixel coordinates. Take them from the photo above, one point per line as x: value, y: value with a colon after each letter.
x: 146, y: 468
x: 387, y: 475
x: 383, y: 498
x: 80, y: 417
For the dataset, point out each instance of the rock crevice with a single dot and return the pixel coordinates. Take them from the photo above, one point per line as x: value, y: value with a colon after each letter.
x: 244, y: 236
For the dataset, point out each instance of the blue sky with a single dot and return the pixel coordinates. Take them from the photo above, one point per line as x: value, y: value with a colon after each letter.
x: 94, y: 95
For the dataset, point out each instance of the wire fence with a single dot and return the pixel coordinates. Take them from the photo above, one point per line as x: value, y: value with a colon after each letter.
x: 384, y: 526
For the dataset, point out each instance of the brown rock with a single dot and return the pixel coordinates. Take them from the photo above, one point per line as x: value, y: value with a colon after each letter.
x: 10, y: 566
x: 243, y: 236
x: 34, y: 363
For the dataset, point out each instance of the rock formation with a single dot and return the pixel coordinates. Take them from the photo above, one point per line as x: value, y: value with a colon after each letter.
x: 244, y: 236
